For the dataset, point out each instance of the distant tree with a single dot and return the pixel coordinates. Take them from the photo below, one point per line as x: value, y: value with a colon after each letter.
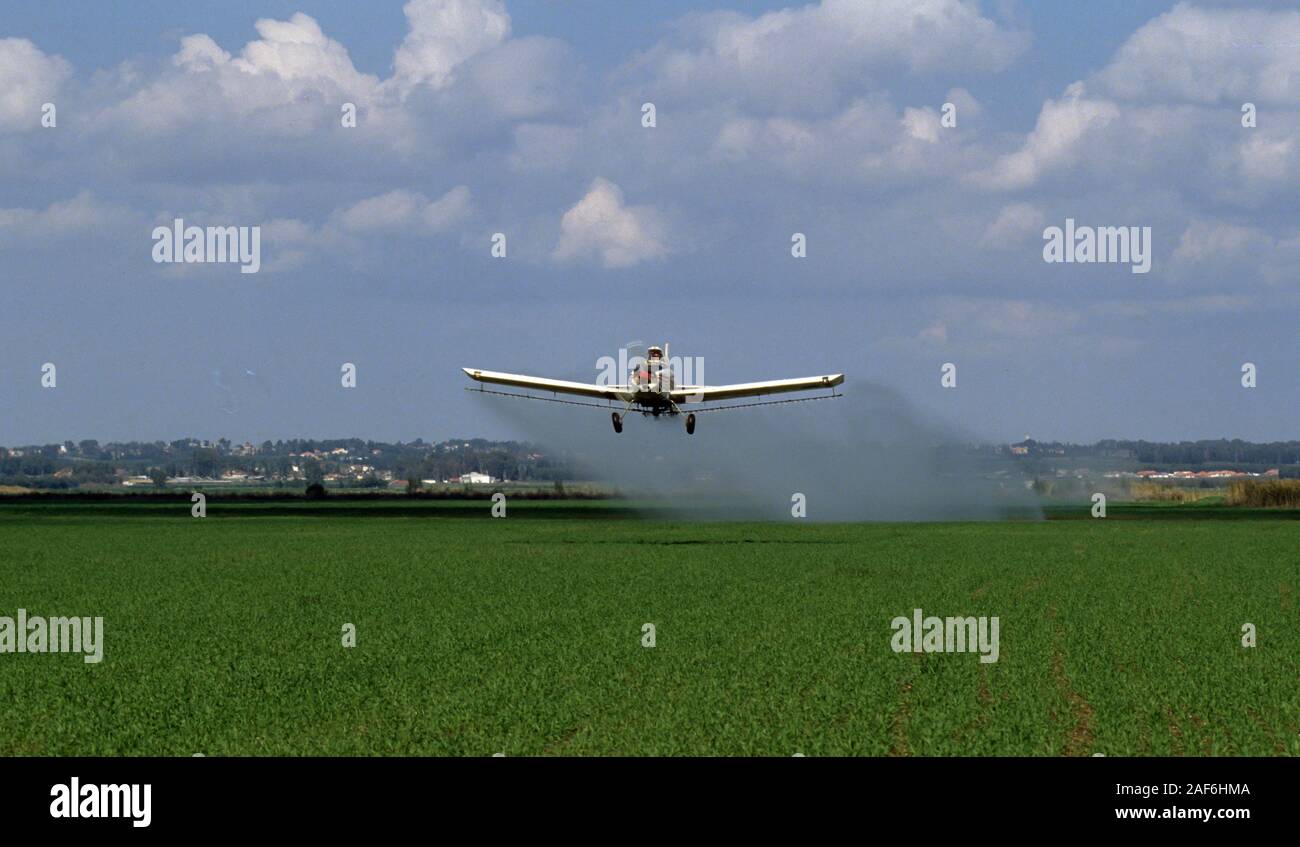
x: 315, y: 491
x: 205, y: 462
x: 159, y: 477
x: 313, y: 473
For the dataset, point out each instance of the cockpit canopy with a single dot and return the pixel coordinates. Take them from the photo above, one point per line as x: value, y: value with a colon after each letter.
x: 654, y: 372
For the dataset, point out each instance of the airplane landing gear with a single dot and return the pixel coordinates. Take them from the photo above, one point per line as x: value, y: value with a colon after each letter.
x: 618, y: 421
x: 690, y: 424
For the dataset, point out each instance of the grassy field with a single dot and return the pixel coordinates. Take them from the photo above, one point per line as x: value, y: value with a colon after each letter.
x: 523, y: 635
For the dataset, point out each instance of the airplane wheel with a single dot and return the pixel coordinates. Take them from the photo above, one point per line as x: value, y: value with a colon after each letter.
x: 618, y: 421
x: 690, y: 424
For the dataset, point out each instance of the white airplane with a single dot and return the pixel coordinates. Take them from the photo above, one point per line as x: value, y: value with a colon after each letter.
x: 653, y: 390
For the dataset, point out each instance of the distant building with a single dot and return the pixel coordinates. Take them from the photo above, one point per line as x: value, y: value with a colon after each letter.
x: 473, y: 478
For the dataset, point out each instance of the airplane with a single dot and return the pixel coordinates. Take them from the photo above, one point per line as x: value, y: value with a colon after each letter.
x: 653, y: 390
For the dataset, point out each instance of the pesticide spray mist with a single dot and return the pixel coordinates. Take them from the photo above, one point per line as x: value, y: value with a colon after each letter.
x: 866, y: 455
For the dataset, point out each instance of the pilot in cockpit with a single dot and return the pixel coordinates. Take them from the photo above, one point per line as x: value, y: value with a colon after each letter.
x: 650, y: 372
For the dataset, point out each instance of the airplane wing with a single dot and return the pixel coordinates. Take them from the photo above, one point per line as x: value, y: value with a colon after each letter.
x: 706, y: 393
x: 585, y: 389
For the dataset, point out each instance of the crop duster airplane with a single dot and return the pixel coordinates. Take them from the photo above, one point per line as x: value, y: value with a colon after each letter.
x: 652, y: 389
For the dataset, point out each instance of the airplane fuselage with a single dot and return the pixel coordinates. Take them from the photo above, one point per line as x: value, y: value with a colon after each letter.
x: 654, y: 382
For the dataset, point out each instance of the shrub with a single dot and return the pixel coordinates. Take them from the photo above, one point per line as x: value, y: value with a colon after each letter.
x: 1277, y: 493
x: 1154, y: 491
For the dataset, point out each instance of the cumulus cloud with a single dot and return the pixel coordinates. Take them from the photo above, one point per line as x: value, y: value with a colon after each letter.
x: 290, y: 79
x: 1014, y: 225
x: 401, y: 209
x: 802, y: 59
x: 28, y: 78
x: 291, y: 243
x: 921, y: 124
x: 61, y: 217
x: 1267, y: 159
x: 199, y: 53
x: 868, y: 140
x: 522, y: 78
x: 1211, y: 240
x: 392, y: 210
x: 1200, y: 55
x: 1064, y: 126
x: 448, y: 210
x: 471, y: 78
x: 298, y: 51
x: 601, y: 226
x: 444, y: 34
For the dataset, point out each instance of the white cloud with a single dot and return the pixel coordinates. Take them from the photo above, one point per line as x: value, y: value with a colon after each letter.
x: 1064, y: 127
x: 402, y: 209
x: 1209, y: 56
x: 522, y: 78
x: 61, y: 217
x: 28, y: 78
x: 868, y: 141
x: 803, y: 58
x: 1267, y: 160
x: 297, y: 50
x: 448, y: 210
x: 600, y: 226
x: 1014, y: 225
x: 1235, y: 258
x: 291, y: 79
x: 792, y: 143
x: 200, y: 53
x: 444, y: 34
x: 1209, y: 241
x: 921, y: 124
x: 392, y: 210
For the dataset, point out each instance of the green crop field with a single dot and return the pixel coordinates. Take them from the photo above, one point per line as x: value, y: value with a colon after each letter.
x: 523, y: 635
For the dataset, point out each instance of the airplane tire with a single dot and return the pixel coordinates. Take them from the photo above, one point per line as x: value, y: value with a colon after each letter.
x: 618, y: 421
x: 690, y: 424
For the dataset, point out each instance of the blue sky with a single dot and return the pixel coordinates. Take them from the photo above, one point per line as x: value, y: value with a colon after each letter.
x: 482, y: 116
